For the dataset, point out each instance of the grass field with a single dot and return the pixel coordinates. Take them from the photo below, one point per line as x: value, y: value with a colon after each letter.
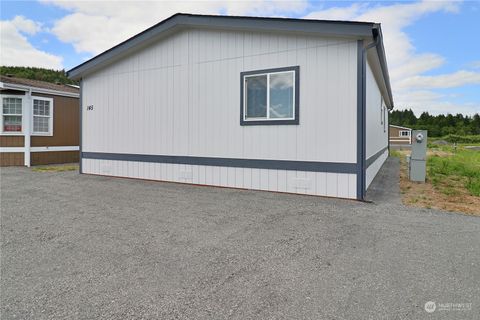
x: 449, y: 166
x: 453, y: 180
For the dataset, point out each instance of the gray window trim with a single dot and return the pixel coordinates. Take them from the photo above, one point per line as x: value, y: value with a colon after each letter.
x: 313, y: 166
x: 295, y: 121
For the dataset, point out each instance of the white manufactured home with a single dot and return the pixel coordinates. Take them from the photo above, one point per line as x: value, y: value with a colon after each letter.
x: 285, y: 105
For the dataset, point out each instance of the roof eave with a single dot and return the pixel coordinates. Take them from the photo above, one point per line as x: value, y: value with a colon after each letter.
x: 326, y: 28
x: 377, y: 32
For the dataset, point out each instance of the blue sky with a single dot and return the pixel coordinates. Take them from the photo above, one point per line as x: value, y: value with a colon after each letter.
x: 433, y: 57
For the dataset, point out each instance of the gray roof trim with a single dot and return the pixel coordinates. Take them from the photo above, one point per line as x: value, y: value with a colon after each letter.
x: 324, y: 27
x: 377, y: 34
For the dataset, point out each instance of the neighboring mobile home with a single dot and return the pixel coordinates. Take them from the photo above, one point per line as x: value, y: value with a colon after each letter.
x: 39, y: 122
x: 400, y: 136
x: 286, y: 105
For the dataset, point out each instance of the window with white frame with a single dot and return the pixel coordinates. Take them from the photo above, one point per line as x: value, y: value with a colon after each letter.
x: 404, y: 133
x: 42, y: 116
x: 270, y: 96
x: 11, y: 114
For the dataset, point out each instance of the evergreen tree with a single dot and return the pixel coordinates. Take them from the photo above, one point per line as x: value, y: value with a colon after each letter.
x: 437, y: 126
x: 54, y: 76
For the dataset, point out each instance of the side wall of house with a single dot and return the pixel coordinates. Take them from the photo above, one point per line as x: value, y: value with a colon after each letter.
x: 181, y: 97
x: 377, y: 127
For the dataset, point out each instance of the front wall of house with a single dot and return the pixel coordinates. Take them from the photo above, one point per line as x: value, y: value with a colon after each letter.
x: 65, y: 134
x: 181, y: 97
x: 377, y: 127
x: 8, y: 159
x: 66, y: 125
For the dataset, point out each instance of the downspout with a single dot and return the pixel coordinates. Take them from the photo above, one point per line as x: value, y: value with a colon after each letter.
x: 362, y: 116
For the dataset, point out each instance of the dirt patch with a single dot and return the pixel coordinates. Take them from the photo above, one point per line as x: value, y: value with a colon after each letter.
x: 56, y: 168
x: 425, y: 195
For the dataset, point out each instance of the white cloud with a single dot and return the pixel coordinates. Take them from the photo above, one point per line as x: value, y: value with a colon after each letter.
x: 96, y: 27
x: 18, y: 51
x: 457, y: 79
x: 25, y: 25
x: 435, y: 103
x: 406, y: 65
x: 475, y: 64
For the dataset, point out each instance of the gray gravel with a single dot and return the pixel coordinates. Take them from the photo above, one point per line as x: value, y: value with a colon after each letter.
x: 87, y: 247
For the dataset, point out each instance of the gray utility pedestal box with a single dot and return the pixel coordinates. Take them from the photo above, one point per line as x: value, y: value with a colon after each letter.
x: 418, y: 157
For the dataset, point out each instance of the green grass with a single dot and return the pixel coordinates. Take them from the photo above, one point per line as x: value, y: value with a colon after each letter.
x: 461, y: 166
x: 395, y: 153
x: 54, y: 168
x: 467, y: 140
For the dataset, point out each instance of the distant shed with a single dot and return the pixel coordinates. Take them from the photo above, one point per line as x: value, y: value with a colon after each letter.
x: 398, y: 135
x: 287, y: 105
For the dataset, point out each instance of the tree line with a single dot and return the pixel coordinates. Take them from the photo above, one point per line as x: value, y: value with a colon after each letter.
x: 437, y: 126
x: 48, y: 75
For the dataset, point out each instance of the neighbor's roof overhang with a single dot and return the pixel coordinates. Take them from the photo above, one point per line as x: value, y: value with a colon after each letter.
x: 24, y: 88
x: 392, y: 125
x: 346, y: 29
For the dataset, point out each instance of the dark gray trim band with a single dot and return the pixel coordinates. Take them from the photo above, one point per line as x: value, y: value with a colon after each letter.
x: 80, y: 131
x: 271, y: 122
x: 253, y: 24
x: 335, y: 167
x: 373, y: 158
x: 361, y: 119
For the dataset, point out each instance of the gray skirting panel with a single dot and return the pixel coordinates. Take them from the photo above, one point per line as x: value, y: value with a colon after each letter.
x: 334, y: 167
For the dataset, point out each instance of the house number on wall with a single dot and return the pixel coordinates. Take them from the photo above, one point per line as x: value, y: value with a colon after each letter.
x: 89, y: 108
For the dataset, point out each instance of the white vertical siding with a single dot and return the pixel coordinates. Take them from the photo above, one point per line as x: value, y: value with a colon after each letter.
x: 181, y: 96
x: 376, y: 130
x: 373, y: 169
x: 314, y: 183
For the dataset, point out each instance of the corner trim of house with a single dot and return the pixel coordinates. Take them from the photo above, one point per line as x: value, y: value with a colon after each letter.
x: 313, y: 166
x: 361, y: 119
x: 80, y: 127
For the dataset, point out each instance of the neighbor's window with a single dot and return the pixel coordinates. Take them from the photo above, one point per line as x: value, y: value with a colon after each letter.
x: 405, y: 133
x: 42, y: 116
x: 270, y: 96
x: 11, y: 114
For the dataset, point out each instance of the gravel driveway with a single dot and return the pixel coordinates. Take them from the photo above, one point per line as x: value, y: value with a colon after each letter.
x: 87, y: 247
